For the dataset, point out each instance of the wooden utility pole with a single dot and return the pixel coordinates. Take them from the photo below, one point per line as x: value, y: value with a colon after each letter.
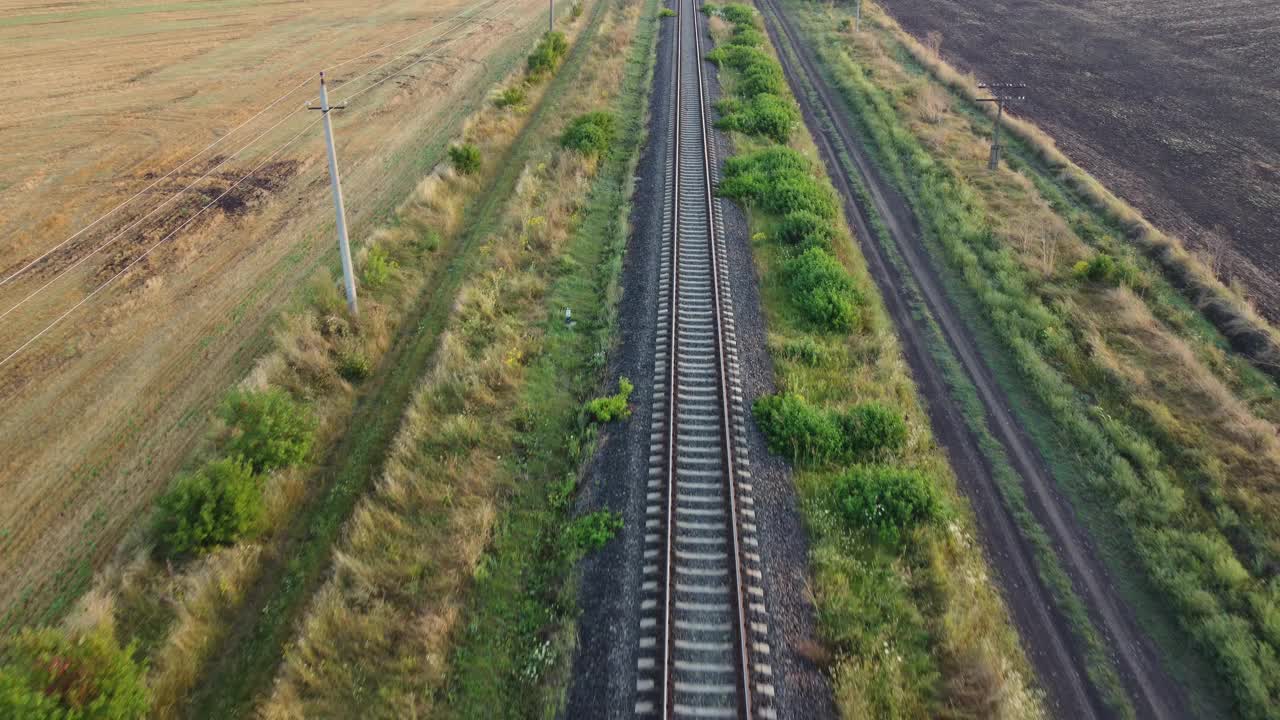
x: 344, y: 248
x: 1001, y: 94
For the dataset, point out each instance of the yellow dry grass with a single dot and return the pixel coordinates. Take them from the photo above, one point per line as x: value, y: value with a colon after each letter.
x: 410, y: 551
x: 103, y: 410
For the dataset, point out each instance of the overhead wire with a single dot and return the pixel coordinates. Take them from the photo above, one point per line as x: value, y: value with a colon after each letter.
x: 225, y: 136
x: 494, y: 5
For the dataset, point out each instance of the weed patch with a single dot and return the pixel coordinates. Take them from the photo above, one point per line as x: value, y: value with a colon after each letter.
x: 217, y: 505
x: 465, y: 158
x: 613, y: 407
x: 590, y: 134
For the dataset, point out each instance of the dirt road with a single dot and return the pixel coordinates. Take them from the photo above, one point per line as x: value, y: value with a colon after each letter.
x: 1048, y: 638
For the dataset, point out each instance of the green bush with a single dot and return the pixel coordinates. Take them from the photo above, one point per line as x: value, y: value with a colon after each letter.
x: 591, y: 532
x: 353, y: 364
x: 872, y: 428
x: 1103, y: 268
x: 268, y: 429
x: 217, y: 505
x: 51, y: 674
x: 546, y: 55
x: 778, y: 180
x: 465, y: 158
x: 885, y: 502
x: 822, y: 290
x: 576, y: 12
x: 803, y: 230
x: 764, y: 114
x: 737, y: 57
x: 590, y: 134
x: 613, y: 407
x: 666, y: 13
x: 378, y: 268
x: 747, y: 36
x: 738, y: 14
x: 762, y: 77
x: 512, y: 96
x: 798, y: 430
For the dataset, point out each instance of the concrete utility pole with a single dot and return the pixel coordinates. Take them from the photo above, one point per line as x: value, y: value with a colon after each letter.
x: 551, y: 19
x: 1003, y: 93
x: 344, y: 248
x: 857, y: 16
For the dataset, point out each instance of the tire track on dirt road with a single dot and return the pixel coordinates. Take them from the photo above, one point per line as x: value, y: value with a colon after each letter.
x: 1047, y: 635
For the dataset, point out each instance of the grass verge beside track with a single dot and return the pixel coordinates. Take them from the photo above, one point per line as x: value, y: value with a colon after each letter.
x: 912, y: 629
x: 468, y: 538
x: 1163, y: 439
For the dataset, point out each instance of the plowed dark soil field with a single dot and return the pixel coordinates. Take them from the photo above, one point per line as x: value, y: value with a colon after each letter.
x: 1173, y: 104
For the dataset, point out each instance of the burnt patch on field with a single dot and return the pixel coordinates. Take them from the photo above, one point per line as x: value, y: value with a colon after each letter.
x: 108, y: 248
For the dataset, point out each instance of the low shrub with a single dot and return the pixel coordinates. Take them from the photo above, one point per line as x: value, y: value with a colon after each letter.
x: 762, y: 77
x: 353, y: 364
x: 778, y: 180
x: 547, y: 54
x: 590, y: 134
x: 737, y: 57
x: 666, y: 13
x: 379, y: 268
x: 217, y: 505
x: 511, y: 97
x: 823, y: 290
x: 1102, y: 268
x: 427, y: 241
x: 593, y: 531
x: 872, y: 429
x: 268, y: 429
x: 613, y: 407
x: 53, y: 674
x: 804, y: 230
x: 885, y: 502
x: 804, y: 350
x: 465, y: 158
x: 796, y: 429
x: 738, y: 14
x: 747, y: 36
x: 764, y: 114
x: 576, y: 12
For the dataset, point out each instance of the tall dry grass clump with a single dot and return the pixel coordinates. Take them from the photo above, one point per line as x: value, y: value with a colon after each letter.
x: 320, y: 356
x: 377, y: 638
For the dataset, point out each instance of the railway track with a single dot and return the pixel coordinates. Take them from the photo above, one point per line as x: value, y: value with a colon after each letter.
x: 703, y: 637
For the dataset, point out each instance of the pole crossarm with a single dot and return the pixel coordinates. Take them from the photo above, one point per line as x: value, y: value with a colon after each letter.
x: 344, y: 247
x: 1001, y: 93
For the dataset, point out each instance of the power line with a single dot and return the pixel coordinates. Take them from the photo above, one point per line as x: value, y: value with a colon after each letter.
x: 143, y: 191
x: 226, y: 135
x: 1001, y: 94
x: 195, y: 182
x: 153, y: 211
x: 160, y: 242
x: 202, y: 210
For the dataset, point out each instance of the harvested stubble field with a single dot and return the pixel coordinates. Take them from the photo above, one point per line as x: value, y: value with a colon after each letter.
x: 1172, y: 105
x: 107, y: 98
